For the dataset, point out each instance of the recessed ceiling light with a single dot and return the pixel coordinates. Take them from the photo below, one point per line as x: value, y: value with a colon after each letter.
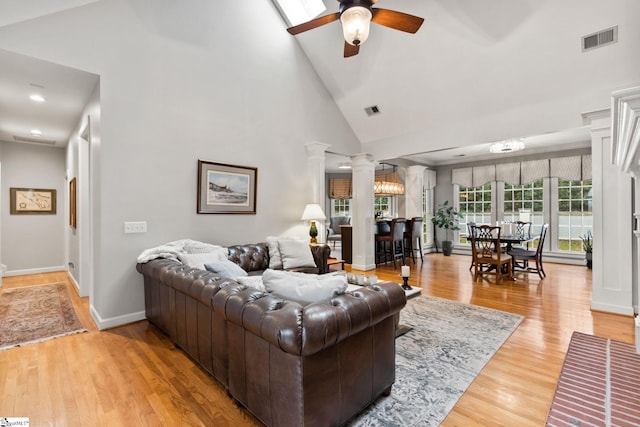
x: 36, y: 132
x: 37, y: 98
x: 344, y: 165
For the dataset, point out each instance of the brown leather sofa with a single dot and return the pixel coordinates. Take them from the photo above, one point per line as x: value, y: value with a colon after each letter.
x: 254, y: 258
x: 290, y: 365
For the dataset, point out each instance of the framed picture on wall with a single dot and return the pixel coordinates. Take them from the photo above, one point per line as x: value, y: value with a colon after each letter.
x: 32, y: 201
x: 226, y: 189
x: 72, y: 203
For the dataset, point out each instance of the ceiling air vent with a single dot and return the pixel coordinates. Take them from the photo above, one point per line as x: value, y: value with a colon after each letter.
x: 601, y: 38
x: 34, y: 140
x: 372, y: 110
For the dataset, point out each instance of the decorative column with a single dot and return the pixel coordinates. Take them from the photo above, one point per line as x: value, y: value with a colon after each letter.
x: 612, y: 217
x: 413, y: 189
x: 362, y: 219
x: 316, y: 162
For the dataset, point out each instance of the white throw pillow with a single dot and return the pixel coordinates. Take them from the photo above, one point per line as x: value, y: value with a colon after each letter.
x: 295, y: 253
x: 199, y: 260
x: 252, y: 281
x: 226, y: 268
x: 303, y: 288
x: 275, y: 260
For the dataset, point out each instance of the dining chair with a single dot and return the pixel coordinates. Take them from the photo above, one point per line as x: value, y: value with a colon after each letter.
x: 487, y: 260
x: 391, y: 245
x: 470, y: 226
x: 523, y: 228
x: 520, y: 257
x: 413, y: 237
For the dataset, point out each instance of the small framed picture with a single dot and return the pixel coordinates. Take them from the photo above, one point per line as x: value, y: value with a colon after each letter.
x: 32, y: 201
x: 72, y: 203
x: 226, y: 189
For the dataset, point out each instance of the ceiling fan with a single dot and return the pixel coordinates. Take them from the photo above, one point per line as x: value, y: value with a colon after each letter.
x: 356, y: 15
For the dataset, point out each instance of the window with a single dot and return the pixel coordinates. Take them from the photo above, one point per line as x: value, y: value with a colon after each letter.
x: 474, y: 203
x: 525, y: 198
x: 340, y: 207
x: 382, y: 206
x: 574, y: 213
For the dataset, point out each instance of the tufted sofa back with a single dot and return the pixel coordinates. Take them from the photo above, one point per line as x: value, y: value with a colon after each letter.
x: 251, y: 257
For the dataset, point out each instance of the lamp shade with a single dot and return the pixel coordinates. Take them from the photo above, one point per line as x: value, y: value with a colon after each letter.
x: 355, y: 24
x: 313, y: 211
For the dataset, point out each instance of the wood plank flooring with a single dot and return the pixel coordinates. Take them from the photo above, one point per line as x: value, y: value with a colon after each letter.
x: 132, y: 375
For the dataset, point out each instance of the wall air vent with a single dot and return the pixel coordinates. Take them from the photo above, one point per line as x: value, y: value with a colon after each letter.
x: 34, y: 140
x: 372, y: 110
x: 601, y: 38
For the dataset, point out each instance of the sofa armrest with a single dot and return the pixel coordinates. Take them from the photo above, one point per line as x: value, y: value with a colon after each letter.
x: 306, y: 330
x: 321, y: 254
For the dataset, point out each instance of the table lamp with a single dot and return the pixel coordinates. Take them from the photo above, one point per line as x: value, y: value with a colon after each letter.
x: 313, y: 212
x: 405, y: 272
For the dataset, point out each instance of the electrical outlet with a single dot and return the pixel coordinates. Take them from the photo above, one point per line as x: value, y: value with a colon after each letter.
x: 135, y: 227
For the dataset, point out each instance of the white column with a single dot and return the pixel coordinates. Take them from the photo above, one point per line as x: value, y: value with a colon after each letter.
x: 413, y: 189
x: 612, y: 231
x: 362, y: 219
x: 316, y: 162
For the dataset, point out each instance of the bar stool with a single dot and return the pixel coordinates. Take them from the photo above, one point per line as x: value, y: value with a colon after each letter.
x: 413, y: 235
x: 395, y: 249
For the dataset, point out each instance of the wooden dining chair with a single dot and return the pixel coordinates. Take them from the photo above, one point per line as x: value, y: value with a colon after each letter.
x: 470, y: 226
x: 523, y: 228
x: 521, y: 257
x: 487, y: 260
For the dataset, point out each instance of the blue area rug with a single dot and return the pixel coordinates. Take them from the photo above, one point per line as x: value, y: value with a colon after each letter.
x: 437, y: 361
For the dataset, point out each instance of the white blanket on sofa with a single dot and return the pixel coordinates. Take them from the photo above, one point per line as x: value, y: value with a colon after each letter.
x: 173, y: 249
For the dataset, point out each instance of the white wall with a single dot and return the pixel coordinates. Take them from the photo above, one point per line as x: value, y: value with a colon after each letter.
x: 232, y: 86
x: 32, y: 243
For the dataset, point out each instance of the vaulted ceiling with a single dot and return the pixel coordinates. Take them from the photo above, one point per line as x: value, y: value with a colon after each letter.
x: 476, y: 72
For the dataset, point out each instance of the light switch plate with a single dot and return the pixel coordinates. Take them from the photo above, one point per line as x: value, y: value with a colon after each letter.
x: 135, y: 227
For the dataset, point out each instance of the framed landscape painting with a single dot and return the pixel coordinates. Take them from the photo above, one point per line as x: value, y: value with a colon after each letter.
x: 226, y: 189
x: 30, y: 201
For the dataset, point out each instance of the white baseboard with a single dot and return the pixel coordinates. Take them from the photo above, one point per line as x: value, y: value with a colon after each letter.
x: 34, y: 271
x: 113, y: 322
x: 610, y: 308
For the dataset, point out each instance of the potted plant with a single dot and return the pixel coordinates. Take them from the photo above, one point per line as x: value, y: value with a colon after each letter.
x: 587, y: 247
x: 447, y: 217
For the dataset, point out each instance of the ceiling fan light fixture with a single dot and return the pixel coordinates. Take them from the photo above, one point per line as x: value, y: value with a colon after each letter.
x: 356, y: 21
x: 507, y: 146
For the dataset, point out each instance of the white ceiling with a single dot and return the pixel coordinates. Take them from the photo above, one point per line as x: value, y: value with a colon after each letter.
x: 494, y: 64
x: 66, y: 92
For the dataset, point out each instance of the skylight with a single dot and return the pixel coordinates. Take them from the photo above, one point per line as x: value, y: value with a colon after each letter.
x: 299, y: 11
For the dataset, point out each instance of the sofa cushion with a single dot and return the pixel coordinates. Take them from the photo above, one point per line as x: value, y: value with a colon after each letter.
x: 252, y: 281
x: 295, y: 253
x: 226, y: 268
x: 303, y: 288
x: 198, y: 260
x: 275, y: 260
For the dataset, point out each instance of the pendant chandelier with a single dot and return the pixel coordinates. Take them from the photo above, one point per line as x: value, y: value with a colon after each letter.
x: 387, y: 184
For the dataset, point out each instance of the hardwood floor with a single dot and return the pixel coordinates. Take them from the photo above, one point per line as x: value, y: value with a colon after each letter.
x: 133, y: 375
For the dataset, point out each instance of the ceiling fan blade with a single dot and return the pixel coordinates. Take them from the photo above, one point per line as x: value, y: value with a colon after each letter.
x: 350, y: 50
x: 396, y: 20
x: 314, y: 23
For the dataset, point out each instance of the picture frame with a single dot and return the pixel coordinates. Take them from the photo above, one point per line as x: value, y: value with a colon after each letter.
x: 32, y: 201
x: 72, y: 203
x: 226, y: 189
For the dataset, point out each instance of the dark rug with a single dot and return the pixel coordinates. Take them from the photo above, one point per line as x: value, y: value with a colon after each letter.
x: 36, y: 313
x: 598, y: 384
x: 437, y: 361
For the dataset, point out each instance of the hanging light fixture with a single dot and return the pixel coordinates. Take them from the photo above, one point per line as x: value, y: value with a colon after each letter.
x: 507, y: 146
x: 356, y: 21
x: 387, y: 184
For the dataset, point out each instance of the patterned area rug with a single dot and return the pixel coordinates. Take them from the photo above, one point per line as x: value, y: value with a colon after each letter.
x: 598, y: 384
x: 437, y: 361
x: 36, y: 313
